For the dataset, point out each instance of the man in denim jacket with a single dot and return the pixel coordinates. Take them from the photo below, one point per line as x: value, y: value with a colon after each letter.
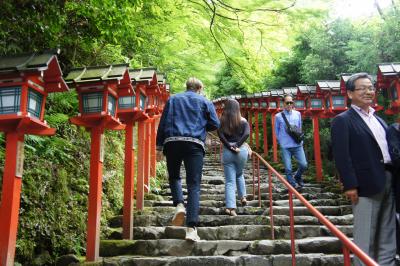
x: 181, y: 135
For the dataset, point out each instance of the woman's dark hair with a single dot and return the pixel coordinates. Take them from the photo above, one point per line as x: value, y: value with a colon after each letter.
x: 230, y: 118
x: 351, y: 82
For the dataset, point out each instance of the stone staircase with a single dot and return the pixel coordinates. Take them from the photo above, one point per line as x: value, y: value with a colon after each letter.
x: 225, y: 240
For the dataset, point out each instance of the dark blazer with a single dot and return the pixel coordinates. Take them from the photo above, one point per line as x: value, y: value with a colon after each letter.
x: 357, y: 155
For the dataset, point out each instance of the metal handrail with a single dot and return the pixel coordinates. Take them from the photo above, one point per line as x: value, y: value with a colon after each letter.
x: 348, y: 245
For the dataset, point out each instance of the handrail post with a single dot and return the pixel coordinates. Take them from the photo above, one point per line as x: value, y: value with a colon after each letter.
x: 292, y: 235
x: 271, y: 210
x: 259, y: 183
x: 254, y: 184
x: 346, y: 256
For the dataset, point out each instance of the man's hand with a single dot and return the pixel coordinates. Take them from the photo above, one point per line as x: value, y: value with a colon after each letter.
x: 159, y: 156
x: 352, y: 195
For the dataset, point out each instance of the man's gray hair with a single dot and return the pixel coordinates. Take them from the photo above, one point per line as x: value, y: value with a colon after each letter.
x: 193, y: 84
x: 351, y: 82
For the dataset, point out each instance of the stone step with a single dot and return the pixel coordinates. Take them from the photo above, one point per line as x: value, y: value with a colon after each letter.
x: 178, y: 247
x: 233, y: 232
x: 221, y: 196
x: 276, y: 195
x: 277, y: 210
x: 219, y: 220
x: 240, y: 240
x: 243, y: 260
x: 264, y: 190
x: 253, y: 203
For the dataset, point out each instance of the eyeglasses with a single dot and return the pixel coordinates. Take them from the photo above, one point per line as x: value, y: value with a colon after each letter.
x: 364, y: 89
x: 288, y: 103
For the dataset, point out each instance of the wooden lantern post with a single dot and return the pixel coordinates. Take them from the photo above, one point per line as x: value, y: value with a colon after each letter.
x: 153, y: 90
x: 97, y: 89
x: 315, y: 109
x: 275, y: 106
x: 264, y: 110
x: 25, y: 81
x: 248, y: 110
x: 142, y: 78
x: 388, y: 81
x: 255, y: 101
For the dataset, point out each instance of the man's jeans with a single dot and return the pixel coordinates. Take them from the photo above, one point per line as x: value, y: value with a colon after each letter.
x: 233, y: 168
x: 298, y: 154
x: 192, y: 155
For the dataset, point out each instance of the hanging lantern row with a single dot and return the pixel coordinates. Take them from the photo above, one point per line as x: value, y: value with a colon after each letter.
x: 324, y: 99
x: 117, y: 92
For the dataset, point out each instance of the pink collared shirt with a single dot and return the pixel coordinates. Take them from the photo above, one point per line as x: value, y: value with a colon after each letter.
x: 377, y: 130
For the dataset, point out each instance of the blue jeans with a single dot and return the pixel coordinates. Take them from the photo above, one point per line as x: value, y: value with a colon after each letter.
x: 233, y: 168
x: 192, y: 155
x: 298, y: 154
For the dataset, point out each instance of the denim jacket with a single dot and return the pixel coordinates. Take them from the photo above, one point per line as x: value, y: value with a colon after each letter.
x: 186, y: 117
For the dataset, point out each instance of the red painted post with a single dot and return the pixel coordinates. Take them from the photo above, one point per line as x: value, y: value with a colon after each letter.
x: 127, y: 220
x: 259, y: 182
x: 253, y: 162
x: 10, y: 201
x: 271, y: 209
x: 95, y: 190
x: 251, y: 128
x: 147, y: 155
x: 292, y: 235
x: 153, y: 134
x: 317, y: 150
x: 346, y: 256
x: 274, y: 142
x: 265, y: 138
x: 257, y: 130
x: 140, y: 166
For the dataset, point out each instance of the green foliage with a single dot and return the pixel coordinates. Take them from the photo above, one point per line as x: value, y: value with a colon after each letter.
x: 227, y: 84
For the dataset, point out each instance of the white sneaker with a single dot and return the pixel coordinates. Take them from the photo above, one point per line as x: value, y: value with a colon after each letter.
x: 179, y: 216
x: 191, y: 234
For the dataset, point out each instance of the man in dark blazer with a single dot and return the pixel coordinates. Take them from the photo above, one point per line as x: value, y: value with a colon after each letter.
x: 362, y: 159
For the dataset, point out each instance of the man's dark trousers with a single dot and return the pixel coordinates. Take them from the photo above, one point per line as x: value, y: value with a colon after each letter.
x: 192, y: 155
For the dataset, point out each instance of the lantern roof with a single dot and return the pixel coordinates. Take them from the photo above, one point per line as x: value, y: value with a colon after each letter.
x: 276, y: 92
x: 143, y: 75
x: 161, y: 78
x: 99, y: 73
x: 266, y: 93
x: 328, y: 85
x: 290, y: 90
x: 306, y: 89
x: 344, y: 76
x: 389, y: 69
x: 45, y: 64
x: 258, y: 94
